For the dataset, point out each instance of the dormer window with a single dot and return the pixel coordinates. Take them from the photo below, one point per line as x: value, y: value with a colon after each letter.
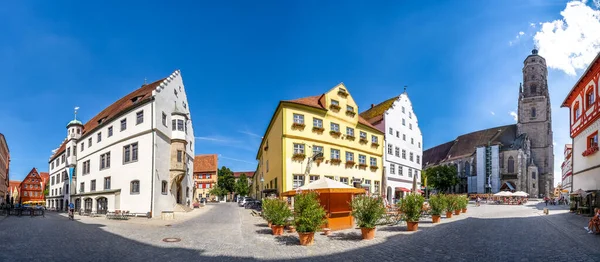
x: 136, y: 99
x: 101, y: 120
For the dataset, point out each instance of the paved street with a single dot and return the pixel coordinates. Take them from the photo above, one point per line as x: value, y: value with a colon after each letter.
x: 225, y: 232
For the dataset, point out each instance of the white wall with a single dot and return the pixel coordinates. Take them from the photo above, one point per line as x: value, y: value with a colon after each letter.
x: 393, y: 119
x: 588, y: 180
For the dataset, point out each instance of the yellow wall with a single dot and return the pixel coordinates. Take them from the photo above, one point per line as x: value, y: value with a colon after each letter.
x: 281, y: 145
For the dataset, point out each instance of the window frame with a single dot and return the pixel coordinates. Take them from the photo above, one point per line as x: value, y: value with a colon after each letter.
x: 123, y: 124
x: 298, y: 118
x: 131, y: 187
x: 164, y: 187
x: 317, y: 122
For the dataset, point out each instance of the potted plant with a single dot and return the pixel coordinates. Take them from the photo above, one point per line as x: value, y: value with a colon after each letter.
x: 279, y: 215
x: 438, y: 205
x: 367, y: 211
x: 411, y: 207
x: 464, y: 203
x: 266, y: 210
x: 456, y: 204
x: 449, y: 205
x: 309, y: 216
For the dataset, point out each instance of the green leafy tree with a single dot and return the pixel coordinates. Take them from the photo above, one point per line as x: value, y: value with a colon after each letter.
x: 442, y: 177
x: 226, y: 180
x: 241, y: 186
x: 218, y: 191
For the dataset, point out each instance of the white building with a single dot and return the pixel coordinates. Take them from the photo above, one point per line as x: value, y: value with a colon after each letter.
x: 584, y: 104
x: 403, y: 144
x: 567, y: 168
x: 136, y: 155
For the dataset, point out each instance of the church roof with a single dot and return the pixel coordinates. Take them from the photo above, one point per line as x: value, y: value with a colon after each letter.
x: 125, y: 103
x: 465, y: 145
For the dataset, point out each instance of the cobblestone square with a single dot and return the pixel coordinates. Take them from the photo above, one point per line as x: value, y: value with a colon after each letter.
x: 226, y: 232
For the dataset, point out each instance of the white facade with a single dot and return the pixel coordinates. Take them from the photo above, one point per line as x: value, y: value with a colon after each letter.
x: 403, y: 148
x: 567, y: 169
x: 585, y: 168
x: 123, y: 162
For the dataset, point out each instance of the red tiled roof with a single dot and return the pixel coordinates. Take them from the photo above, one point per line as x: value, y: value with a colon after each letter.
x: 319, y: 102
x: 45, y: 177
x: 12, y: 184
x: 249, y: 174
x: 143, y: 93
x: 206, y: 163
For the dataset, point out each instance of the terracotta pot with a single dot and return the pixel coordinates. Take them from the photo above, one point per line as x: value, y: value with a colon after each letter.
x: 412, y: 226
x: 270, y: 225
x: 435, y: 218
x: 306, y: 239
x: 464, y: 210
x: 277, y: 230
x: 367, y: 233
x: 457, y: 212
x: 292, y: 229
x: 448, y: 214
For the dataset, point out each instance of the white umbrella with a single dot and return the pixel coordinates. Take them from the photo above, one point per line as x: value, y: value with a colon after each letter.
x: 503, y: 193
x: 520, y: 194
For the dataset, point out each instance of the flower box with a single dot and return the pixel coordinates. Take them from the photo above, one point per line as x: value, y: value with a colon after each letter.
x: 319, y: 159
x: 298, y: 125
x: 590, y: 151
x: 298, y: 156
x: 350, y: 113
x: 334, y: 107
x: 343, y: 93
x: 350, y: 163
x: 335, y: 133
x: 362, y: 165
x: 349, y: 137
x: 363, y: 140
x: 336, y: 161
x: 373, y: 167
x: 318, y: 129
x: 375, y: 144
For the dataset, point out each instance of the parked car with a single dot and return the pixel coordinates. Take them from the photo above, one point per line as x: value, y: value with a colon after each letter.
x: 244, y: 200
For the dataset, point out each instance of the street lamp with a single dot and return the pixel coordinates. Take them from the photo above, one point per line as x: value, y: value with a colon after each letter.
x: 262, y: 181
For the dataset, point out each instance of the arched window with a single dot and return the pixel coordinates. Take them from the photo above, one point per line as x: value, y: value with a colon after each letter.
x: 576, y: 111
x: 467, y: 169
x: 590, y: 97
x: 87, y: 205
x: 135, y: 187
x: 511, y: 165
x: 533, y: 112
x: 533, y: 88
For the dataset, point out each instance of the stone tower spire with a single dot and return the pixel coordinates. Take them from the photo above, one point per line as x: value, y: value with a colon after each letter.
x: 535, y: 120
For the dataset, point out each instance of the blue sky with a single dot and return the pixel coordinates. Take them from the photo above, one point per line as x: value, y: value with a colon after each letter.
x: 462, y: 64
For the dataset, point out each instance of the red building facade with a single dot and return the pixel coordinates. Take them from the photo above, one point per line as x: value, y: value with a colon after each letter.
x: 584, y: 104
x: 4, y: 170
x: 32, y: 187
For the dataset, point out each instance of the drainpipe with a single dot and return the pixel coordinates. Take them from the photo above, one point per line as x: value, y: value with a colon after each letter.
x: 153, y: 149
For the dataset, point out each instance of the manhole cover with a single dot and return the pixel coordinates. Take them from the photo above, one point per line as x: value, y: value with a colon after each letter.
x: 171, y: 239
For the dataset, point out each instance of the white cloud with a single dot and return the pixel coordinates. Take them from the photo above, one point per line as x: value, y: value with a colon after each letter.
x: 250, y: 134
x: 492, y: 112
x: 571, y: 42
x: 514, y: 115
x: 521, y: 33
x: 597, y: 3
x: 532, y: 25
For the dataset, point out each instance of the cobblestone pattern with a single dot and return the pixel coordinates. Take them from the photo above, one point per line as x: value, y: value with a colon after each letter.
x: 225, y: 232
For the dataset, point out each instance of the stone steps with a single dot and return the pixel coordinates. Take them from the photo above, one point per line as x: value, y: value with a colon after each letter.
x: 181, y: 208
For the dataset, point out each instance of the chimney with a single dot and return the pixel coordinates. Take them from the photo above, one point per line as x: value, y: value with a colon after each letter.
x: 372, y: 105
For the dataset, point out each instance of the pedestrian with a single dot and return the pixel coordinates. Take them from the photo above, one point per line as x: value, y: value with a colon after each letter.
x: 546, y: 200
x: 593, y: 224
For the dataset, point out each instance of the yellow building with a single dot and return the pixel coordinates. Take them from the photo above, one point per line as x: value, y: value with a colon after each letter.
x: 328, y: 123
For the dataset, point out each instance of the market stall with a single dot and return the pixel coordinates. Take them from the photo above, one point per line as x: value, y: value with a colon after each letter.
x: 335, y: 198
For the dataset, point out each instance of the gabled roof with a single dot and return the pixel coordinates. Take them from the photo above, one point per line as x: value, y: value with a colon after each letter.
x: 249, y: 174
x: 12, y: 184
x: 45, y: 177
x: 592, y: 64
x: 465, y: 145
x: 375, y: 113
x: 206, y: 163
x: 131, y: 100
x: 319, y: 102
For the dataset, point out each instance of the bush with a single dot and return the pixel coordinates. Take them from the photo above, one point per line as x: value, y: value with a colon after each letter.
x: 309, y: 216
x: 438, y: 204
x: 464, y: 202
x: 267, y: 208
x: 280, y: 212
x: 367, y: 210
x: 451, y: 203
x: 411, y: 207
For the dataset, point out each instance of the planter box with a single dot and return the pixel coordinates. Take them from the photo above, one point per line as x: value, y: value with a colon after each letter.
x: 350, y: 137
x: 350, y: 163
x: 336, y: 161
x: 335, y: 133
x: 350, y: 113
x: 362, y: 165
x: 375, y: 144
x: 318, y: 129
x: 297, y: 125
x: 334, y: 107
x: 363, y: 140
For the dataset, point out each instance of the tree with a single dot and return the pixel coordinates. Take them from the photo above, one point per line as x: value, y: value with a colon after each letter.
x: 218, y: 191
x: 442, y: 177
x: 241, y: 186
x: 226, y: 180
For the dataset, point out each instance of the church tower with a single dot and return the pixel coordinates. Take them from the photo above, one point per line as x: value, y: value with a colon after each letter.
x: 535, y: 120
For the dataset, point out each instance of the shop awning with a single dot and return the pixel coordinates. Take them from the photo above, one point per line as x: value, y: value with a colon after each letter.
x: 403, y: 189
